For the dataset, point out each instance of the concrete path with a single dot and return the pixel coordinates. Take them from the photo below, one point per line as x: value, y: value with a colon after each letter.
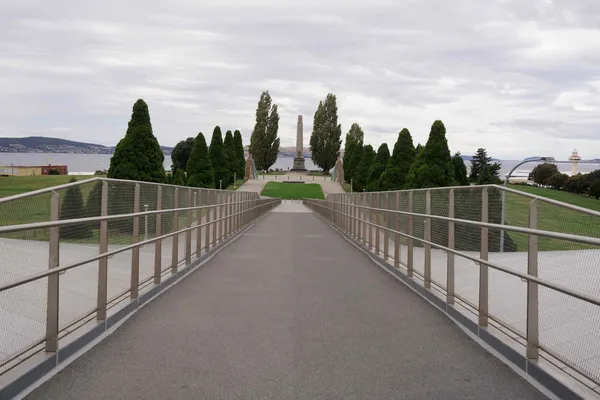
x: 289, y: 311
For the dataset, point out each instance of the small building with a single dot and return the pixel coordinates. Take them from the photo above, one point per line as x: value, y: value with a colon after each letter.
x: 32, y: 170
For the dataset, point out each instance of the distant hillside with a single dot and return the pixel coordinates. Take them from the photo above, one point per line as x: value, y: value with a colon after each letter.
x: 39, y: 144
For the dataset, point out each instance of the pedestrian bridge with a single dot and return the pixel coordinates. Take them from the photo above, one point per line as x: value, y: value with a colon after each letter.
x: 143, y: 291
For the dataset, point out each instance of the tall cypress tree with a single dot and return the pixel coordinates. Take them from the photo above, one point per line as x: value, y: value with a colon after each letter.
x: 378, y: 167
x: 433, y: 166
x: 325, y: 140
x: 238, y: 145
x: 138, y: 155
x: 403, y: 156
x: 264, y: 143
x: 362, y: 172
x: 460, y: 170
x: 199, y: 168
x: 352, y: 150
x: 230, y: 155
x: 218, y: 159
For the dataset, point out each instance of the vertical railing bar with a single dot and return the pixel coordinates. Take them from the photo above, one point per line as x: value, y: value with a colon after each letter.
x: 397, y: 236
x: 175, y: 238
x: 103, y: 262
x: 409, y: 245
x: 532, y: 351
x: 483, y: 269
x: 53, y: 290
x: 135, y: 252
x: 450, y: 259
x: 158, y: 243
x: 188, y: 233
x: 427, y: 237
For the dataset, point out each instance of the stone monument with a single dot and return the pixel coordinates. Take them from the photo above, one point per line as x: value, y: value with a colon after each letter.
x: 299, y: 159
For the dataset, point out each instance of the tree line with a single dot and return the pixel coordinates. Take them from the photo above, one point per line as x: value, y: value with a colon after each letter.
x: 410, y: 167
x: 547, y: 174
x: 138, y: 156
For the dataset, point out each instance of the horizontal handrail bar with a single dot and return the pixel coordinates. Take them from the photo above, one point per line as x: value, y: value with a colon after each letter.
x: 501, y: 188
x: 44, y: 274
x: 75, y: 221
x: 550, y: 285
x: 98, y: 178
x: 511, y: 228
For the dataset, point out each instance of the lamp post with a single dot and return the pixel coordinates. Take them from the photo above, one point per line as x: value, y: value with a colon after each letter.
x: 506, y: 178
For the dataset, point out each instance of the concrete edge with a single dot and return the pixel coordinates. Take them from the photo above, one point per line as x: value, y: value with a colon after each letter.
x: 32, y: 373
x: 545, y: 378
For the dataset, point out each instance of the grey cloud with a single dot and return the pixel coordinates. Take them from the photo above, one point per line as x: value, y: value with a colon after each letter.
x: 486, y: 68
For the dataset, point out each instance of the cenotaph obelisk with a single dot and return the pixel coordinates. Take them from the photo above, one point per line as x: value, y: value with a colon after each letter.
x: 299, y: 159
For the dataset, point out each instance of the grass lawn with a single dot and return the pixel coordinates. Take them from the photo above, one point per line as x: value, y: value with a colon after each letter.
x: 346, y: 187
x: 13, y: 185
x: 560, y: 195
x: 238, y: 183
x: 293, y: 190
x: 552, y: 217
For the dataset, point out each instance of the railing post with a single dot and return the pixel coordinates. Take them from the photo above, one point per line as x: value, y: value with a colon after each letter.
x: 450, y: 256
x: 52, y: 312
x: 483, y: 269
x: 103, y: 262
x: 198, y: 203
x: 363, y: 218
x: 410, y: 230
x: 135, y: 252
x: 188, y: 233
x: 386, y: 233
x: 377, y: 222
x: 215, y: 201
x: 397, y: 236
x: 158, y: 243
x: 221, y: 209
x: 207, y: 226
x: 370, y: 217
x: 427, y: 237
x: 229, y: 212
x: 175, y: 238
x: 532, y: 351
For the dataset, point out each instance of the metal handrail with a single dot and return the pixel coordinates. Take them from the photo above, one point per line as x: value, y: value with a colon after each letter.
x: 74, y: 221
x: 550, y: 285
x: 98, y: 178
x: 44, y: 274
x: 501, y: 188
x: 528, y: 231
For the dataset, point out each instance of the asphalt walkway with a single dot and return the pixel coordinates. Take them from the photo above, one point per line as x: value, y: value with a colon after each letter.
x: 290, y: 310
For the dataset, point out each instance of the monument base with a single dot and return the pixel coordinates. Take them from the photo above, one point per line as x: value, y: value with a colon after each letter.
x: 299, y: 164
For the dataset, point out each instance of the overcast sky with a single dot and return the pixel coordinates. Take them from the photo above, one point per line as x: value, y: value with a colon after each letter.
x: 519, y: 78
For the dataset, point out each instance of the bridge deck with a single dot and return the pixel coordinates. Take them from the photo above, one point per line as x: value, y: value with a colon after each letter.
x: 288, y: 311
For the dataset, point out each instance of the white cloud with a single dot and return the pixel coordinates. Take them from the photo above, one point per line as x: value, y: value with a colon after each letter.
x: 518, y: 78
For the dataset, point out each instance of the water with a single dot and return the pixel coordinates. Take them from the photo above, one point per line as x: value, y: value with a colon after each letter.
x: 88, y: 163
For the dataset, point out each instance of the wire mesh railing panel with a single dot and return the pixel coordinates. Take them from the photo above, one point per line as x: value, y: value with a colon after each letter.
x: 147, y: 229
x: 168, y: 225
x: 403, y: 221
x: 439, y: 205
x: 569, y: 329
x: 24, y: 252
x: 419, y: 207
x: 574, y: 265
x: 467, y: 239
x: 78, y: 287
x: 516, y: 213
x: 22, y: 318
x: 182, y: 221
